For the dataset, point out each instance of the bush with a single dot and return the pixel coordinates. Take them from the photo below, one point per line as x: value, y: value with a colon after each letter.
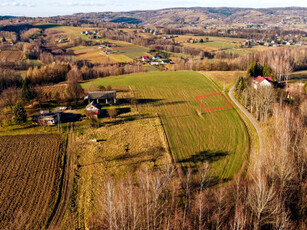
x: 112, y: 112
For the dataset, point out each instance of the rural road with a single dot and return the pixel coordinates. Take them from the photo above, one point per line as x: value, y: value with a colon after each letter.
x: 250, y: 117
x: 56, y: 218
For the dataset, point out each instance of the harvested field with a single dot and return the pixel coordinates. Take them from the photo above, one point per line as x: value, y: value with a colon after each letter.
x: 30, y: 173
x: 11, y: 55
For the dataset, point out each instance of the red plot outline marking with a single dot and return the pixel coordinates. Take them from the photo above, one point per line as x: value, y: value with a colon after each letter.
x: 212, y: 109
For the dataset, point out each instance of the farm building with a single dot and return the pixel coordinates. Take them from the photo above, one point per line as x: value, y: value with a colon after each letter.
x: 262, y: 81
x: 46, y: 118
x: 145, y: 58
x: 156, y: 57
x: 164, y: 62
x: 106, y: 97
x: 93, y: 109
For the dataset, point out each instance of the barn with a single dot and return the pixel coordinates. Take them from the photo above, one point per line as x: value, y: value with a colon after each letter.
x: 104, y: 97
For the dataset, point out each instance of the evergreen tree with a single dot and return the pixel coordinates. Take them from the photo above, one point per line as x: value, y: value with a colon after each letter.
x: 26, y: 93
x: 20, y: 114
x: 255, y: 70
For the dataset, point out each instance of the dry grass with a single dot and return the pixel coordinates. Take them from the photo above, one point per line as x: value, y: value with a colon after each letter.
x: 92, y: 54
x: 11, y: 55
x: 74, y: 32
x: 122, y: 148
x: 229, y: 77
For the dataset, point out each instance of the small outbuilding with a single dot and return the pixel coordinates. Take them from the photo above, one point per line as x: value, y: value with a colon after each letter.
x: 46, y: 118
x: 93, y: 109
x: 105, y: 97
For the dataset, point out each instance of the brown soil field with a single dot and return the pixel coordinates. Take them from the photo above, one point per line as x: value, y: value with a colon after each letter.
x: 11, y: 55
x: 30, y: 171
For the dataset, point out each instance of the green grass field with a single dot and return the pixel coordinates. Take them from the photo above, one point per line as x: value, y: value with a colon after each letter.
x: 131, y: 51
x: 219, y: 137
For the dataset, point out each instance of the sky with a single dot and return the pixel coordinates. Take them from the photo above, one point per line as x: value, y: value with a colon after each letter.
x: 45, y: 8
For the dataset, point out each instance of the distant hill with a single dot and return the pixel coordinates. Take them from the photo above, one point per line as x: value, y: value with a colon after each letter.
x: 202, y: 16
x: 126, y: 20
x: 6, y: 17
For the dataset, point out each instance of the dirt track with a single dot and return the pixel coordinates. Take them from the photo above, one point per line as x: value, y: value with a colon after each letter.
x: 61, y: 205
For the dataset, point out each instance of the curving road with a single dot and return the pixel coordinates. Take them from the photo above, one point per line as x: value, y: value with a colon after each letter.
x: 250, y: 118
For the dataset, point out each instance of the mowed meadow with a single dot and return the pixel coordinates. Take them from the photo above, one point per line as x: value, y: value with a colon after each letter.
x: 219, y: 136
x: 30, y: 172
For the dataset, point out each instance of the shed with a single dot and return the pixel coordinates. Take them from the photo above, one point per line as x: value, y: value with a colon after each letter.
x: 46, y: 118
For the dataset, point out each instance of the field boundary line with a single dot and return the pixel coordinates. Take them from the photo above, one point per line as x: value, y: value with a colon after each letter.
x: 64, y: 194
x: 169, y: 150
x: 212, y: 95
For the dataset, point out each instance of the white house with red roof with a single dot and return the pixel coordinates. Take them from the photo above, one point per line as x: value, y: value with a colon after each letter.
x: 145, y: 58
x: 262, y: 82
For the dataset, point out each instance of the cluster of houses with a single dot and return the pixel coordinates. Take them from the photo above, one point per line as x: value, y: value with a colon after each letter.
x: 274, y: 43
x: 155, y: 60
x: 106, y: 47
x: 151, y: 31
x: 94, y: 101
x: 94, y: 34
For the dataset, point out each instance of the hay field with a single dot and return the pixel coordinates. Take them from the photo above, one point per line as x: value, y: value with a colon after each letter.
x: 116, y: 155
x: 227, y: 77
x: 219, y: 137
x: 92, y: 54
x: 74, y: 32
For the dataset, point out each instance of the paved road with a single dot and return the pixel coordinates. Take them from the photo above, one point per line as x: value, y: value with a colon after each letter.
x: 250, y: 117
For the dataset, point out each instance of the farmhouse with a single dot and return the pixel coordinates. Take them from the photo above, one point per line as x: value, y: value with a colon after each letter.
x: 46, y: 118
x: 262, y: 82
x: 145, y: 58
x: 93, y: 109
x: 106, y: 97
